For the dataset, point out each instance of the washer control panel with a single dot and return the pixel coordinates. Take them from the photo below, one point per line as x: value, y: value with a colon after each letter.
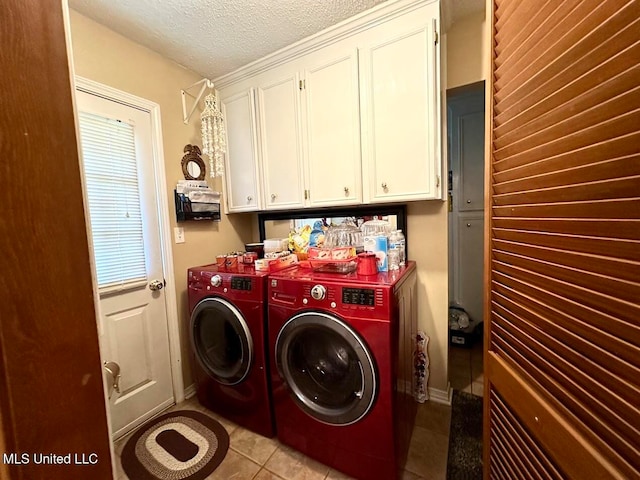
x: 359, y: 296
x: 370, y: 300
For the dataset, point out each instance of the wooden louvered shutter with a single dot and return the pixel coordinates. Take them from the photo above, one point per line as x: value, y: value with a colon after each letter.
x: 563, y: 256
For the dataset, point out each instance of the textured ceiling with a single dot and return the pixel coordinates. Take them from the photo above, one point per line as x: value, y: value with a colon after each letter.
x: 215, y: 37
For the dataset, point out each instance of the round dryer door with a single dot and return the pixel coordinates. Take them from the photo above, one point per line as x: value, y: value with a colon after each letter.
x: 328, y: 368
x: 221, y: 340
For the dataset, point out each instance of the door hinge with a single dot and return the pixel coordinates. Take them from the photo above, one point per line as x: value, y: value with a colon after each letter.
x: 302, y: 84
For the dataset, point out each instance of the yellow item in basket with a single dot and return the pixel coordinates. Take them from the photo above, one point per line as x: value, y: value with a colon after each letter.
x: 299, y: 241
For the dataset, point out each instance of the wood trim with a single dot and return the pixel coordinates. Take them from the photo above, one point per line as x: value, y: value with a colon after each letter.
x: 547, y: 425
x: 564, y: 260
x: 4, y: 469
x: 580, y: 31
x: 53, y: 399
x: 491, y: 15
x: 537, y: 464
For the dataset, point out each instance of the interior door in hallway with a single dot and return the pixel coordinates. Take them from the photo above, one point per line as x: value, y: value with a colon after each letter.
x: 465, y: 126
x: 562, y: 369
x: 123, y: 215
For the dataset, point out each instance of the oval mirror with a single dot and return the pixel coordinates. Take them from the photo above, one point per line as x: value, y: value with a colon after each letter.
x: 193, y: 167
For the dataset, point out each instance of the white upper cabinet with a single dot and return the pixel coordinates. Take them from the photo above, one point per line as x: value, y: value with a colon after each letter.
x: 332, y: 124
x: 347, y: 116
x: 398, y: 101
x: 310, y: 133
x: 280, y: 135
x: 242, y: 177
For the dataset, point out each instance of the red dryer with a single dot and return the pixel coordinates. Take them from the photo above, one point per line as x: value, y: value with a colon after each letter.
x: 227, y: 329
x: 341, y: 354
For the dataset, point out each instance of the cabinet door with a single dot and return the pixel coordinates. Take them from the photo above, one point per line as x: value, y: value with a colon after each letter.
x: 469, y: 263
x: 466, y: 154
x: 400, y: 137
x: 241, y: 162
x: 333, y: 131
x: 280, y: 135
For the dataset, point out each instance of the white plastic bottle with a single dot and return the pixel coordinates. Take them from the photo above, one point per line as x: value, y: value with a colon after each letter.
x: 394, y: 252
x: 403, y: 248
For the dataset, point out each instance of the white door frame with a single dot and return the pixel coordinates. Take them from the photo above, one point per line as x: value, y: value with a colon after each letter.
x: 109, y: 93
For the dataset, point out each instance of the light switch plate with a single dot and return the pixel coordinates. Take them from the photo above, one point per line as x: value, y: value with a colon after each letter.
x: 178, y: 233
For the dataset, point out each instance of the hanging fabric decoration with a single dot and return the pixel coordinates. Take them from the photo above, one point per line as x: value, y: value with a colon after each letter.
x: 213, y: 135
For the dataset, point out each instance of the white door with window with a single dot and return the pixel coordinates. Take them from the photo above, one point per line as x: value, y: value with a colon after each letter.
x: 120, y: 185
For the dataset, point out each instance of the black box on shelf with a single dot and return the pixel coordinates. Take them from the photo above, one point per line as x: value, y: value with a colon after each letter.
x: 188, y: 210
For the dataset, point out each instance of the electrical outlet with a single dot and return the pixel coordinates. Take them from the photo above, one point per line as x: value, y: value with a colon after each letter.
x: 178, y: 233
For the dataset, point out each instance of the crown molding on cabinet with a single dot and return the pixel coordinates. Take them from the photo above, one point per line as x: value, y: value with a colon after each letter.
x: 352, y: 26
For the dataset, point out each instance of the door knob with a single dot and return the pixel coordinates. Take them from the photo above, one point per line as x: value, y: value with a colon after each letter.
x: 156, y: 285
x: 113, y: 372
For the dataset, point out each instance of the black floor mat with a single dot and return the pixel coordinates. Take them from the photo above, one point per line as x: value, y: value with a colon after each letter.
x: 464, y: 461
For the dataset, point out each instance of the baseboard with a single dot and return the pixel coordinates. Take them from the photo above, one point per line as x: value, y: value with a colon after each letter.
x: 441, y: 396
x: 189, y: 391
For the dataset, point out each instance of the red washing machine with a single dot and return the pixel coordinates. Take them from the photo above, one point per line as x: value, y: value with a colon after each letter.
x: 228, y: 340
x: 341, y: 353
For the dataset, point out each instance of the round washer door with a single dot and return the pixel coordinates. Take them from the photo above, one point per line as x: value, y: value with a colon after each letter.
x: 328, y: 368
x: 221, y: 340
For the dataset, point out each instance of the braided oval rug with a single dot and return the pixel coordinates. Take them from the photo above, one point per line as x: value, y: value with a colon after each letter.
x: 181, y: 445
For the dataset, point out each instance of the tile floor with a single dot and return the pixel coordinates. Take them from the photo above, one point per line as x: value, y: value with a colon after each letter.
x: 466, y: 369
x: 253, y: 457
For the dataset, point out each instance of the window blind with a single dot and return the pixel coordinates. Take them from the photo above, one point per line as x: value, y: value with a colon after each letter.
x: 111, y: 177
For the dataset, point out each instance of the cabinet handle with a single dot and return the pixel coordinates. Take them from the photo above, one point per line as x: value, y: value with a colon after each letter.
x: 384, y: 185
x: 468, y: 225
x: 273, y: 197
x: 468, y: 201
x: 249, y: 198
x: 346, y: 190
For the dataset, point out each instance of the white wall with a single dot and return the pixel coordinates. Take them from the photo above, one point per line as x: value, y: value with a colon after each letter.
x: 467, y: 51
x: 427, y: 245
